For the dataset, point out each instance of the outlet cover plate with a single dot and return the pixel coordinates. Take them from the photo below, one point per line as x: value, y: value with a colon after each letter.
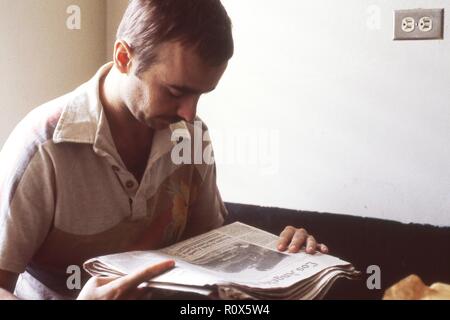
x: 402, y: 16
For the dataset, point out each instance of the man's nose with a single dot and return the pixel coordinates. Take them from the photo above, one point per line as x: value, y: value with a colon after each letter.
x: 188, y: 109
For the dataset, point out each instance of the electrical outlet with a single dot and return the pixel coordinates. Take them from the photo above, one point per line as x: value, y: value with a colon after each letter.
x: 426, y: 24
x: 419, y: 24
x: 408, y: 24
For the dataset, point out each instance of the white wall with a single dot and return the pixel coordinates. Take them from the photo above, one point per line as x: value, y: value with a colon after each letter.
x: 362, y: 122
x: 40, y: 58
x: 114, y: 12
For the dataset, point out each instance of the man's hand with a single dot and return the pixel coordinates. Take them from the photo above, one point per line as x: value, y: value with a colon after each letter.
x: 122, y: 288
x: 293, y: 239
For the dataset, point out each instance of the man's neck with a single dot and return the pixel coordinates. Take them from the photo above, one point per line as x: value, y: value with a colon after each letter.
x: 119, y: 117
x: 133, y: 139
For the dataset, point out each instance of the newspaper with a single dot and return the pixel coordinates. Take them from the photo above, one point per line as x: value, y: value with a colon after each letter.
x: 234, y: 261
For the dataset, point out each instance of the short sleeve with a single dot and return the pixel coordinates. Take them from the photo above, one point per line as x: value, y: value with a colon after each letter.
x: 27, y: 201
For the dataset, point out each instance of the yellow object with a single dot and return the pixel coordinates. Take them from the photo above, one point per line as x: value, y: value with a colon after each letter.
x: 413, y: 288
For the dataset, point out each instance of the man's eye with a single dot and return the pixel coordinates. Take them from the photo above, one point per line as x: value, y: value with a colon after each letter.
x: 175, y: 93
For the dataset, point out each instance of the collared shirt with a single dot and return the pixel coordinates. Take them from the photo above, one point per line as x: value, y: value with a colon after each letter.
x: 66, y: 195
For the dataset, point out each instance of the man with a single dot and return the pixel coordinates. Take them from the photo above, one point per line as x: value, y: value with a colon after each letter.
x: 91, y: 173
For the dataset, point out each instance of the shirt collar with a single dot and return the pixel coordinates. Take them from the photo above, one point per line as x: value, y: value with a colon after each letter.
x: 83, y: 121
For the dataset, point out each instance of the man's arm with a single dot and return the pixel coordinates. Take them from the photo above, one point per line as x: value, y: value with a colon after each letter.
x: 106, y: 288
x: 26, y: 203
x: 8, y: 282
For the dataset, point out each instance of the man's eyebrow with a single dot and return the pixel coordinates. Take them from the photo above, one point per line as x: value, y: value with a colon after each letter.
x: 188, y: 90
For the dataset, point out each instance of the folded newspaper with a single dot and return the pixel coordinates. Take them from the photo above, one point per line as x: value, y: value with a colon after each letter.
x: 236, y: 261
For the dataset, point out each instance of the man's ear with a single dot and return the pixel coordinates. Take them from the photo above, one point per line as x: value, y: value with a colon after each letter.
x: 122, y: 57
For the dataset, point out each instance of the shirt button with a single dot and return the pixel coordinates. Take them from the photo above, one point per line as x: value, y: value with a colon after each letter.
x: 116, y: 168
x: 129, y: 184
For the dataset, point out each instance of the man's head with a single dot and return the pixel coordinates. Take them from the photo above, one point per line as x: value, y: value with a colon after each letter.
x: 168, y: 53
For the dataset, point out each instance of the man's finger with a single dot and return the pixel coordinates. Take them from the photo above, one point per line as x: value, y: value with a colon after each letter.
x: 98, y: 281
x: 133, y: 280
x: 323, y: 248
x: 298, y: 240
x: 311, y: 245
x: 285, y: 238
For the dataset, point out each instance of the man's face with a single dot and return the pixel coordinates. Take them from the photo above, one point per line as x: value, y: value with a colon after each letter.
x: 170, y: 89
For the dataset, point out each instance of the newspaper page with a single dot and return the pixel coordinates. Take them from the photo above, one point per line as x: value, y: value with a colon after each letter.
x: 130, y: 262
x: 236, y: 254
x: 247, y: 256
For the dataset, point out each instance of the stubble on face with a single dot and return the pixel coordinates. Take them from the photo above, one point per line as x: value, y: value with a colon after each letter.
x: 148, y: 97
